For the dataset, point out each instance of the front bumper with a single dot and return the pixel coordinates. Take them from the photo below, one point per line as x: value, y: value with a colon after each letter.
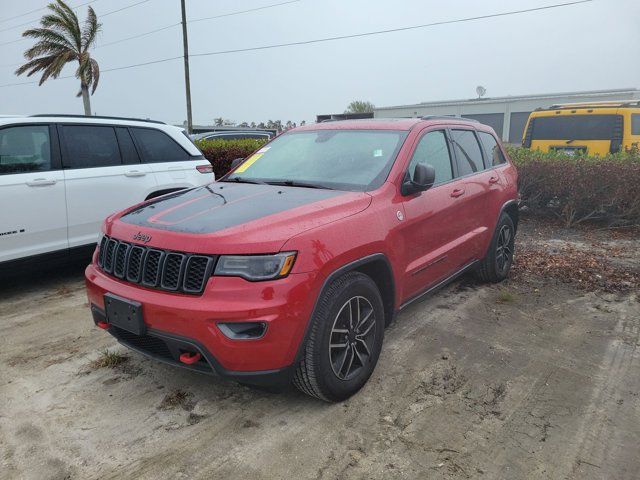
x: 178, y: 322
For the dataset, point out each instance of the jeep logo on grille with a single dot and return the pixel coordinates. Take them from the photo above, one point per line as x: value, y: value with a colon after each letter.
x: 142, y: 237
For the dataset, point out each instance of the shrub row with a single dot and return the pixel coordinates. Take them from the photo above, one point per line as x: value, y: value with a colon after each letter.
x: 574, y: 188
x: 580, y: 188
x: 222, y: 152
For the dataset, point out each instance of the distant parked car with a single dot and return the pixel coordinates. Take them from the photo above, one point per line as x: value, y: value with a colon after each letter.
x: 233, y: 135
x: 61, y: 176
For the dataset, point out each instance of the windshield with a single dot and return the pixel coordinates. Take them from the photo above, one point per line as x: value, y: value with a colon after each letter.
x: 356, y: 160
x: 574, y: 127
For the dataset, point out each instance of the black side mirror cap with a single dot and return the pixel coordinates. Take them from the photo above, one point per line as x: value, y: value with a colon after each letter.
x: 236, y: 162
x: 424, y: 176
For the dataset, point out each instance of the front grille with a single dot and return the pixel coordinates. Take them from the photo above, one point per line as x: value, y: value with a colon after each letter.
x: 154, y: 268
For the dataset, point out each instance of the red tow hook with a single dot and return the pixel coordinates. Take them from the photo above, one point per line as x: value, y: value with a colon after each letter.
x: 190, y: 358
x: 103, y: 325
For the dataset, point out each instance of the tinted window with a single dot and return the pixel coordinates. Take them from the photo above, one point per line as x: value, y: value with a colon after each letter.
x: 156, y: 146
x: 468, y: 154
x: 635, y: 124
x: 90, y: 146
x: 24, y: 149
x: 574, y: 127
x: 433, y: 150
x: 127, y: 148
x: 492, y: 152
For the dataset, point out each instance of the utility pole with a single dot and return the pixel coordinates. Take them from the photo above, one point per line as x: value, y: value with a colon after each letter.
x: 187, y: 82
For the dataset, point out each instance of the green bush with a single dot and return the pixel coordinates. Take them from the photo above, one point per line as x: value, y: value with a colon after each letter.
x: 222, y: 152
x: 580, y: 188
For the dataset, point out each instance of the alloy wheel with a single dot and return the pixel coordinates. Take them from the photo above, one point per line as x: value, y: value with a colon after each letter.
x: 504, y: 249
x: 352, y: 337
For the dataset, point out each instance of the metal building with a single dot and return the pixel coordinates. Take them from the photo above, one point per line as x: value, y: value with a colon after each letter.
x: 507, y: 115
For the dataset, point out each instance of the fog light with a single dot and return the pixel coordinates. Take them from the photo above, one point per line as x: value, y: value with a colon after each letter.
x: 243, y: 330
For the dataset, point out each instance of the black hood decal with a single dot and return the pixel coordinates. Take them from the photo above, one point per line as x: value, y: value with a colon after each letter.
x: 221, y: 205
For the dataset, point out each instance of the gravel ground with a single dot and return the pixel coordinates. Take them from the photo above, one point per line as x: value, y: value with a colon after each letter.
x: 534, y: 378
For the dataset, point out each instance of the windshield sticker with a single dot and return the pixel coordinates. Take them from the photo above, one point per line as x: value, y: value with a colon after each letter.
x: 377, y: 153
x: 248, y: 162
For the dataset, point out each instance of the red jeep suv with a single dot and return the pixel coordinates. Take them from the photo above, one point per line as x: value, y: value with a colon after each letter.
x: 289, y: 268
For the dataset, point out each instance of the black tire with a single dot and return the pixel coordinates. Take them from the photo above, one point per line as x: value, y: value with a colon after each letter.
x: 316, y: 373
x: 495, y: 266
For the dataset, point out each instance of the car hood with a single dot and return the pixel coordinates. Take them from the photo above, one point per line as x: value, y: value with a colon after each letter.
x: 226, y: 217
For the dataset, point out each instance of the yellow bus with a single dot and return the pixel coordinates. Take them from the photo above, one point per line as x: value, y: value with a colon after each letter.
x: 595, y: 128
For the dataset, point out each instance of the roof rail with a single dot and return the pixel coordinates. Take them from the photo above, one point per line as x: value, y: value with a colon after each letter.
x: 445, y: 117
x: 68, y: 115
x: 619, y: 103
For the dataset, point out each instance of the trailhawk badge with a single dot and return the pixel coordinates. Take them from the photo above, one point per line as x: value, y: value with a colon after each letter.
x: 142, y: 237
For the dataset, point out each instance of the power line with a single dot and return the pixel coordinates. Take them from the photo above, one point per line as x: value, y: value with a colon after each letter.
x: 77, y: 6
x: 341, y: 37
x: 138, y: 36
x: 30, y: 22
x: 123, y: 8
x: 150, y: 32
x: 39, y: 9
x: 391, y: 30
x: 242, y: 11
x: 125, y: 67
x: 87, y: 3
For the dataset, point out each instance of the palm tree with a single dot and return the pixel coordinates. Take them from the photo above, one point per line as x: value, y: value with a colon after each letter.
x: 60, y: 41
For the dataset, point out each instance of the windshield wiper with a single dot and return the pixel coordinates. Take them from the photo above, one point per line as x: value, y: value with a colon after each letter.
x: 296, y: 183
x: 244, y: 180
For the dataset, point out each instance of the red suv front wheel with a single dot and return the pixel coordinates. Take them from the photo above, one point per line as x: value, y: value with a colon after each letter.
x: 345, y: 339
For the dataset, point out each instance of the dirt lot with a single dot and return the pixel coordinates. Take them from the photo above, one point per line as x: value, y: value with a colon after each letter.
x: 538, y: 377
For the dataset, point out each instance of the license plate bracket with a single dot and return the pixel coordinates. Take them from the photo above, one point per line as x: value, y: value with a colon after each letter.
x: 124, y: 313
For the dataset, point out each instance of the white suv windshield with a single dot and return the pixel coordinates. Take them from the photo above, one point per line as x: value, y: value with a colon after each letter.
x: 356, y: 160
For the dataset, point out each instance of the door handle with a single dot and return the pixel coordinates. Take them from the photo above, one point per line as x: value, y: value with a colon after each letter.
x: 41, y: 182
x: 134, y: 173
x: 458, y: 192
x: 494, y: 180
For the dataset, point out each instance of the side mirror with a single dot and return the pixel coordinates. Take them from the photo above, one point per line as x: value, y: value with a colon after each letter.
x: 423, y: 178
x: 236, y: 162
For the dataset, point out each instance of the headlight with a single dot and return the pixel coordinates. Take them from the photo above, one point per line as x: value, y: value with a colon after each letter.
x: 255, y: 267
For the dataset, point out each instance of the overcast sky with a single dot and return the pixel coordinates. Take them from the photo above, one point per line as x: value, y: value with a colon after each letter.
x: 590, y: 46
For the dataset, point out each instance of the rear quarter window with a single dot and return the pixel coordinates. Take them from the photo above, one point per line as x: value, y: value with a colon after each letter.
x: 157, y: 147
x: 492, y: 153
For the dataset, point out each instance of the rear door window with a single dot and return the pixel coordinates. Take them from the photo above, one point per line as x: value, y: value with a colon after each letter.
x: 25, y: 149
x: 468, y: 153
x: 88, y: 146
x: 492, y: 153
x: 157, y: 147
x: 433, y: 150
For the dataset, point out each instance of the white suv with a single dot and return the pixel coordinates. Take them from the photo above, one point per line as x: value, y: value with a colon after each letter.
x: 60, y: 176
